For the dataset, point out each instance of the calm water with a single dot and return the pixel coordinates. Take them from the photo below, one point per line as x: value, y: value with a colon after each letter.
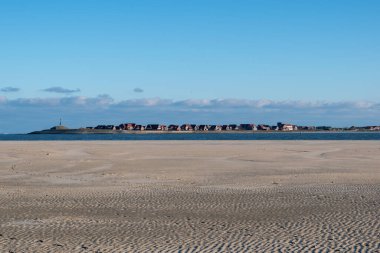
x: 198, y: 136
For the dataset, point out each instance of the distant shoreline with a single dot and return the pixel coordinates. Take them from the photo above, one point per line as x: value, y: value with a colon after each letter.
x: 101, y: 131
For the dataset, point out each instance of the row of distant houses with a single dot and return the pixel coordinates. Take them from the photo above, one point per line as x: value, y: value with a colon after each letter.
x: 373, y: 128
x: 231, y: 127
x: 194, y: 127
x: 367, y: 128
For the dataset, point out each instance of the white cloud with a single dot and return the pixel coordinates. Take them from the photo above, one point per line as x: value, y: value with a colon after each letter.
x: 146, y: 102
x: 3, y: 99
x: 106, y: 100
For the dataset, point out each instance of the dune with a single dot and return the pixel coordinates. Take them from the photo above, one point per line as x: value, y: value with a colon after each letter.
x: 190, y: 196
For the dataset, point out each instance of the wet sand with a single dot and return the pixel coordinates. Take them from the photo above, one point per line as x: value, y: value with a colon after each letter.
x: 190, y: 196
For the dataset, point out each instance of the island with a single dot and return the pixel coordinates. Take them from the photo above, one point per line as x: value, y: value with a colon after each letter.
x: 128, y: 128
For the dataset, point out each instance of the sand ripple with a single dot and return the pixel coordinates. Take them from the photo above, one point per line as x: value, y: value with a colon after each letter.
x: 234, y: 201
x: 155, y: 218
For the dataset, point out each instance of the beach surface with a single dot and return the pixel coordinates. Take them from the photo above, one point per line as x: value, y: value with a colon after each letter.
x: 190, y: 196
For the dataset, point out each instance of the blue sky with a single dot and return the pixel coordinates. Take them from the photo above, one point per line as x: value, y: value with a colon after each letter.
x: 323, y: 54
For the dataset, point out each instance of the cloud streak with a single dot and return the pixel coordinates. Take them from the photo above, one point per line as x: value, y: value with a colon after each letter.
x: 9, y: 89
x: 57, y: 89
x: 138, y: 90
x: 27, y: 114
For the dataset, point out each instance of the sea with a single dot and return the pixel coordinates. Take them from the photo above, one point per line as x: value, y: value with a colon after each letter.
x: 195, y: 136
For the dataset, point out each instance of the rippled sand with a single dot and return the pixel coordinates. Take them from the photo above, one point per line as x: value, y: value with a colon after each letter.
x: 190, y: 196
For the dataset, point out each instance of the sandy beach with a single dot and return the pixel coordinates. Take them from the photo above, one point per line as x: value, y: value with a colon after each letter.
x: 190, y: 196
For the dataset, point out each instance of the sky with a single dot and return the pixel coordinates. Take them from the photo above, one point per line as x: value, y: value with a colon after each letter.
x: 208, y: 61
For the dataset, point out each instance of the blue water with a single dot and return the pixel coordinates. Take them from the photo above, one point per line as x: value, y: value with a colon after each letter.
x: 197, y: 136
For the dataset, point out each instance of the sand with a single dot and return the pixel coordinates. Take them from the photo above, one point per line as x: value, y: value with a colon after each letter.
x: 190, y: 196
